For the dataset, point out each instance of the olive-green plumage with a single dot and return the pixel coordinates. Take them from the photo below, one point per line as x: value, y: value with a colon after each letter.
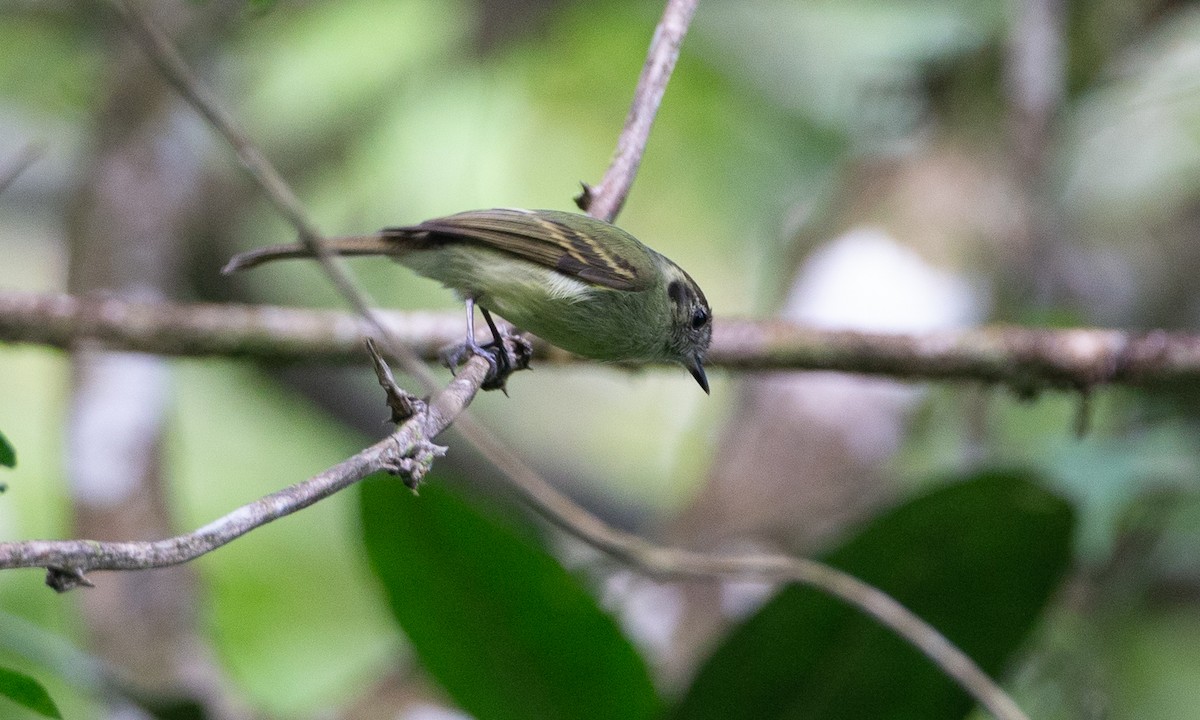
x: 577, y: 282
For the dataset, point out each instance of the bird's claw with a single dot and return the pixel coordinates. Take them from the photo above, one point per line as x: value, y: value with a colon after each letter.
x: 516, y: 352
x: 504, y: 358
x: 455, y: 356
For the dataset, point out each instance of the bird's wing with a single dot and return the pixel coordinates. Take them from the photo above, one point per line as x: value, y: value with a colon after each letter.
x: 561, y: 241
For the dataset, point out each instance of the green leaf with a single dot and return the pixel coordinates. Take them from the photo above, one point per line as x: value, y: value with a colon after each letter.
x: 27, y: 692
x: 978, y: 560
x: 505, y: 630
x: 167, y: 708
x: 8, y: 455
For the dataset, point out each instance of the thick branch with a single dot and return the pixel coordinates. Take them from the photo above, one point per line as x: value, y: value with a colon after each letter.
x: 1024, y: 359
x: 605, y: 200
x: 1021, y: 358
x: 261, y: 332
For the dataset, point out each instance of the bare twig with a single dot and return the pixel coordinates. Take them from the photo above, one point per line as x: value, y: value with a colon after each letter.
x: 409, y: 451
x: 406, y: 452
x: 176, y: 71
x: 605, y: 200
x: 403, y: 405
x: 1024, y: 359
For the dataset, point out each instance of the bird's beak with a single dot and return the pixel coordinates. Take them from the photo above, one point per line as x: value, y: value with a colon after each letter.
x: 697, y: 371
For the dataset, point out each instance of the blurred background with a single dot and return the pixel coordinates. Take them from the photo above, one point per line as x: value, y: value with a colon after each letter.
x: 894, y: 166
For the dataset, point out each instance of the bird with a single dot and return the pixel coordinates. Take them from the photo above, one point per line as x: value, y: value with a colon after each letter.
x: 577, y: 282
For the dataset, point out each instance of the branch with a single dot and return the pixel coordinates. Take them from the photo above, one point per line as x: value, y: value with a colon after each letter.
x: 176, y: 71
x: 260, y: 332
x: 408, y: 452
x: 674, y: 563
x: 605, y: 200
x: 1023, y: 359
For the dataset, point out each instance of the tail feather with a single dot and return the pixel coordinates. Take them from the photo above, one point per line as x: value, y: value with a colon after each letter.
x: 357, y: 245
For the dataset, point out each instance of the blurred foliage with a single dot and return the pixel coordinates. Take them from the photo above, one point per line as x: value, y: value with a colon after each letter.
x: 8, y: 455
x: 270, y: 623
x: 505, y: 630
x: 27, y: 692
x: 509, y: 634
x: 785, y: 123
x: 49, y: 64
x: 978, y: 560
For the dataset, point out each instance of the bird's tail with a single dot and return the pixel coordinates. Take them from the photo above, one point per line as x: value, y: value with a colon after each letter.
x: 358, y: 245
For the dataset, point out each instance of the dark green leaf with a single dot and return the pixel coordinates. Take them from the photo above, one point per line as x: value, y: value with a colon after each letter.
x: 27, y: 692
x: 179, y: 709
x: 166, y: 707
x: 505, y: 630
x: 978, y: 560
x: 8, y: 455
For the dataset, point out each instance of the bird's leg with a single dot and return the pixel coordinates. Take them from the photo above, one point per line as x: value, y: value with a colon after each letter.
x: 497, y: 352
x: 457, y: 354
x: 505, y: 365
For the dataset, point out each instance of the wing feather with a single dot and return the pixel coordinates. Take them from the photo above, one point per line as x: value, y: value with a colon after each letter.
x: 561, y: 241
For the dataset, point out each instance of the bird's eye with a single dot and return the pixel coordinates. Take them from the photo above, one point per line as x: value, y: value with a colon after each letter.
x: 699, y: 318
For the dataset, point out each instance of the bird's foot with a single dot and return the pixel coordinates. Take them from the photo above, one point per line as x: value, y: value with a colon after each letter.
x: 510, y: 354
x: 455, y: 356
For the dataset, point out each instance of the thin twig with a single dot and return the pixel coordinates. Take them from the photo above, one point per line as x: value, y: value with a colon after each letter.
x: 674, y: 563
x: 408, y: 452
x: 1023, y: 359
x: 173, y: 67
x: 605, y: 200
x: 70, y: 560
